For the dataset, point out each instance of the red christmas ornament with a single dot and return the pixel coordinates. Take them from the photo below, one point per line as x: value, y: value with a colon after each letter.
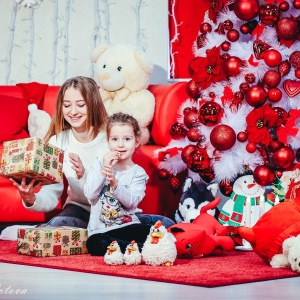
x: 295, y: 59
x: 272, y: 78
x: 272, y: 58
x: 225, y: 46
x: 242, y: 136
x: 263, y: 175
x: 269, y: 14
x: 260, y: 48
x: 274, y: 94
x: 291, y: 87
x: 207, y: 175
x: 244, y: 29
x: 227, y: 25
x: 284, y: 68
x: 198, y: 160
x: 186, y: 152
x: 210, y: 113
x: 283, y: 157
x: 222, y: 137
x: 175, y: 184
x: 297, y: 73
x: 284, y: 6
x: 225, y: 188
x: 246, y: 10
x: 193, y: 134
x: 282, y: 114
x: 193, y: 89
x: 190, y: 118
x: 256, y: 96
x: 251, y: 147
x: 177, y: 131
x: 287, y: 28
x: 163, y: 174
x: 201, y: 38
x: 296, y: 4
x: 232, y: 66
x: 250, y: 78
x: 274, y: 145
x: 205, y: 27
x: 232, y: 35
x: 244, y: 87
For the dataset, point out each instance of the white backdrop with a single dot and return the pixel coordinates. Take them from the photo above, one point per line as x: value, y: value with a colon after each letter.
x: 53, y: 39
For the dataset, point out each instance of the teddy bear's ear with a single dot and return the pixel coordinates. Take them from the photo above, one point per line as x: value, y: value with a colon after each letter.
x: 187, y: 184
x: 143, y: 61
x: 213, y: 187
x: 99, y: 51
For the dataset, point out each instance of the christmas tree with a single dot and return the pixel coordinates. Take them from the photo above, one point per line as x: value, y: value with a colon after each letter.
x: 243, y: 107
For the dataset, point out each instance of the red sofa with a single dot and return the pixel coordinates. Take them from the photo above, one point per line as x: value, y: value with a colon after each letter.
x: 159, y: 198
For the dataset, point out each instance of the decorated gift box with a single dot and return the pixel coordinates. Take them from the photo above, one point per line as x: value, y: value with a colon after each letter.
x: 32, y: 158
x: 52, y: 241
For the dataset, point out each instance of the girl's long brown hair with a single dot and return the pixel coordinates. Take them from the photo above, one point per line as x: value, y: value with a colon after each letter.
x: 96, y: 113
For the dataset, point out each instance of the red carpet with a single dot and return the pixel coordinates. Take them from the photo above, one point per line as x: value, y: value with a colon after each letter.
x: 234, y: 267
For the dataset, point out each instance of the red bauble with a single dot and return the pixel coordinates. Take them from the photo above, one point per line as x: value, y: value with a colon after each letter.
x: 193, y: 89
x: 190, y: 118
x: 193, y: 134
x: 201, y: 39
x: 186, y: 152
x: 242, y: 136
x: 207, y: 175
x: 263, y: 175
x: 225, y: 46
x: 251, y: 147
x: 205, y: 28
x: 296, y: 4
x: 269, y: 14
x: 284, y: 68
x: 175, y: 184
x: 297, y: 73
x: 272, y: 58
x: 244, y: 29
x: 274, y: 94
x: 163, y: 174
x: 256, y: 96
x: 250, y: 78
x: 287, y: 28
x: 295, y: 59
x: 198, y: 160
x: 244, y: 87
x: 231, y: 66
x: 284, y: 6
x: 283, y: 157
x: 272, y: 78
x: 222, y: 137
x: 232, y: 35
x: 227, y: 25
x: 177, y: 131
x: 210, y: 113
x: 274, y: 145
x: 225, y: 188
x: 246, y: 10
x: 282, y: 114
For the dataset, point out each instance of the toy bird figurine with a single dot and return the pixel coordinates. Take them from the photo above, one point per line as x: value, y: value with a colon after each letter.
x: 159, y: 248
x: 113, y: 255
x: 132, y: 255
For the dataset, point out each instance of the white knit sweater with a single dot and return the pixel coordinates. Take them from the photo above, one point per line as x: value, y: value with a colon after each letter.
x: 47, y: 197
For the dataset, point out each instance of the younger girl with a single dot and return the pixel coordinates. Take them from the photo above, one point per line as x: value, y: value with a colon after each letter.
x: 114, y: 187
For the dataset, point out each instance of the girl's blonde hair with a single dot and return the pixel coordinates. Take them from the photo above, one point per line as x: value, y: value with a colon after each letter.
x: 121, y: 118
x: 96, y: 113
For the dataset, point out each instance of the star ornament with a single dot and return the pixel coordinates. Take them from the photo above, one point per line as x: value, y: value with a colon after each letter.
x: 259, y: 121
x: 208, y: 70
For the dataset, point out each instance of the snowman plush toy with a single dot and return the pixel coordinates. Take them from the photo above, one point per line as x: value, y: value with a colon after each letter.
x: 245, y: 190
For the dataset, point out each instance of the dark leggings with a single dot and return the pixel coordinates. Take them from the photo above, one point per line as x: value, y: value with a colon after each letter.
x: 97, y: 243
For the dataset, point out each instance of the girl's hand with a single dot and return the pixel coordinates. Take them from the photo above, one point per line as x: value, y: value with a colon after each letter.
x: 111, y: 158
x: 26, y: 191
x: 77, y: 165
x: 108, y: 172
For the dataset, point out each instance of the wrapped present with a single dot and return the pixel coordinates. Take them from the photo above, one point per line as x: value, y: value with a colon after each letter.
x: 32, y: 158
x: 52, y: 241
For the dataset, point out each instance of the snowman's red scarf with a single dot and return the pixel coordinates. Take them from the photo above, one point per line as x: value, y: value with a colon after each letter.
x: 235, y: 219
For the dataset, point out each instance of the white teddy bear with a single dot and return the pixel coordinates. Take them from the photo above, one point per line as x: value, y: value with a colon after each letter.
x: 290, y: 258
x: 123, y: 74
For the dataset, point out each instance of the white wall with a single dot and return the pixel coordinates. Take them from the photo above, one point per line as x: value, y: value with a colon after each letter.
x: 53, y: 40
